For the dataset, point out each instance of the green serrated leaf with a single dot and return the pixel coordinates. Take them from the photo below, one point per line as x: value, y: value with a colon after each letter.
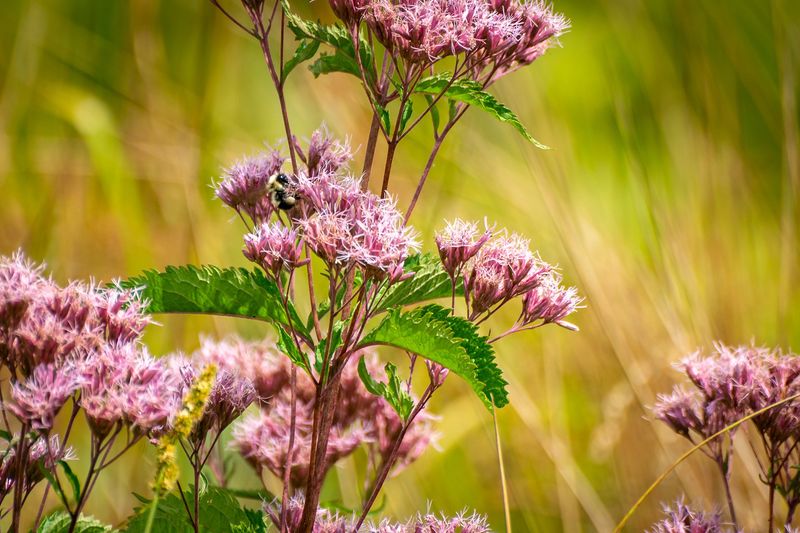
x: 408, y: 111
x: 471, y: 93
x: 452, y: 109
x: 220, y: 513
x: 429, y: 282
x: 59, y: 522
x: 432, y: 333
x: 327, y: 63
x: 212, y: 290
x: 396, y: 395
x: 392, y: 391
x: 434, y: 112
x: 51, y: 478
x: 383, y: 114
x: 336, y: 341
x: 257, y: 520
x: 6, y: 436
x: 305, y: 51
x: 482, y: 353
x: 372, y: 386
x: 288, y: 346
x: 338, y: 37
x: 72, y: 478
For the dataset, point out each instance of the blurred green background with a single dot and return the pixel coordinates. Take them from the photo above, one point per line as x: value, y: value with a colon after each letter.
x: 670, y: 198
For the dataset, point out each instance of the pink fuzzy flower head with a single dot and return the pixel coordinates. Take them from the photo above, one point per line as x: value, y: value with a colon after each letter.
x: 124, y: 385
x: 549, y: 302
x: 680, y: 518
x: 244, y: 185
x: 503, y: 269
x: 274, y: 247
x: 458, y: 242
x: 326, y: 155
x: 347, y: 226
x: 37, y: 400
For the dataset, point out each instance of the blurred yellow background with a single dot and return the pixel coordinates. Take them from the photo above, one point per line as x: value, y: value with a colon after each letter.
x: 670, y: 199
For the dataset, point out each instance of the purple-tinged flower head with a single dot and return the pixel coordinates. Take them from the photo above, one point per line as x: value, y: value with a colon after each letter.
x: 680, y: 518
x: 261, y: 363
x: 244, y: 186
x: 153, y: 395
x: 550, y: 303
x: 502, y: 269
x: 274, y: 247
x: 37, y: 399
x: 730, y: 375
x: 326, y: 155
x: 351, y: 12
x: 777, y: 380
x: 459, y: 242
x: 437, y: 373
x: 347, y: 226
x: 680, y: 411
x: 105, y: 376
x: 124, y: 385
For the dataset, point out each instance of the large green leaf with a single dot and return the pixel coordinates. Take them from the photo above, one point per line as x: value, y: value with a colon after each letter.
x: 453, y: 342
x: 220, y: 512
x: 59, y: 522
x: 471, y: 93
x: 429, y: 282
x: 212, y: 290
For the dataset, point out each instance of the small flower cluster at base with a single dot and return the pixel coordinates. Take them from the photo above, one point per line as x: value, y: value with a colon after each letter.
x: 680, y: 518
x: 332, y: 522
x: 360, y: 418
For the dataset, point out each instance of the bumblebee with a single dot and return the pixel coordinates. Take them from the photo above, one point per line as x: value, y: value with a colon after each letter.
x: 279, y: 194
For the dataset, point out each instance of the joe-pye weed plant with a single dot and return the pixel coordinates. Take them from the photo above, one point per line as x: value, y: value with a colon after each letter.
x: 337, y: 274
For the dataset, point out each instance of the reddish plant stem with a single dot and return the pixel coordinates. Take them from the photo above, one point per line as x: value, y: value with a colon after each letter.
x: 429, y: 164
x: 369, y: 155
x: 387, y: 169
x: 326, y: 408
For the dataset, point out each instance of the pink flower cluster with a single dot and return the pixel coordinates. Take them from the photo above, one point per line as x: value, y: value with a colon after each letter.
x: 360, y: 419
x: 494, y: 36
x: 498, y: 268
x: 41, y: 322
x: 346, y: 226
x: 730, y: 384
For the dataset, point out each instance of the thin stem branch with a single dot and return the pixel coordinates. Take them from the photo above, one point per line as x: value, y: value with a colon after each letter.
x: 501, y: 465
